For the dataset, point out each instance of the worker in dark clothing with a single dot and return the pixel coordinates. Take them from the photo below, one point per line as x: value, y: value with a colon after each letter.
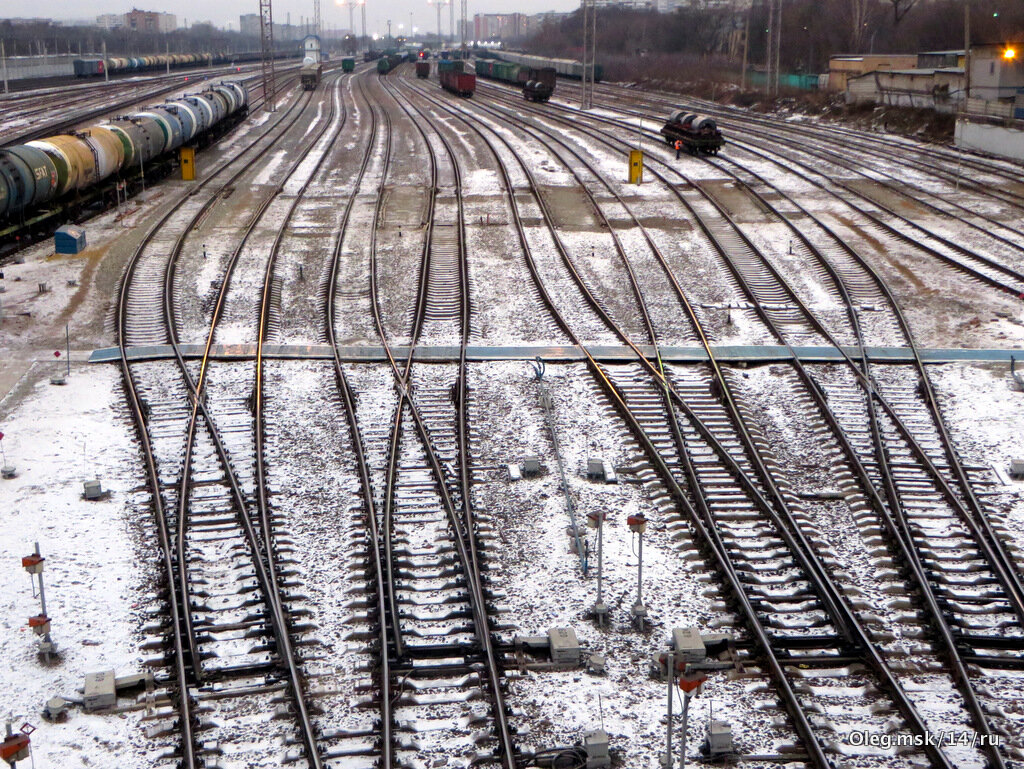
x: 679, y: 147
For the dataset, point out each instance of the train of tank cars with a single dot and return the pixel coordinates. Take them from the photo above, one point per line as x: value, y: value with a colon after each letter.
x: 42, y: 179
x: 116, y: 65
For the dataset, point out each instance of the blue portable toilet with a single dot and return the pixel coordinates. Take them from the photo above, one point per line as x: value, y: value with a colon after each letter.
x: 69, y: 239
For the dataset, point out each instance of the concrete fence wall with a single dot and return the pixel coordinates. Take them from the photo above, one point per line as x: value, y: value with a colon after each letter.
x: 1005, y: 141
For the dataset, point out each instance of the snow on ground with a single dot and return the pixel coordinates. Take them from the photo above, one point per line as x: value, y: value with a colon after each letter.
x: 97, y: 574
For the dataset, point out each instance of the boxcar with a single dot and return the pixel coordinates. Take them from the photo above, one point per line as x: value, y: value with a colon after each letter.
x: 348, y: 64
x: 423, y: 69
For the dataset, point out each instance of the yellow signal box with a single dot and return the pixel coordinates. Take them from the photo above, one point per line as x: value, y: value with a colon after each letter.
x: 187, y: 159
x: 636, y: 166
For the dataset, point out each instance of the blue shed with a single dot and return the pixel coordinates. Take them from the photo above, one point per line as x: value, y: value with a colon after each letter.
x: 69, y: 240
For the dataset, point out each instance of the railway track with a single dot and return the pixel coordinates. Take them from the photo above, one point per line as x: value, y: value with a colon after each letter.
x: 1001, y: 267
x: 983, y: 729
x: 913, y: 486
x: 126, y: 95
x: 435, y: 670
x: 221, y: 571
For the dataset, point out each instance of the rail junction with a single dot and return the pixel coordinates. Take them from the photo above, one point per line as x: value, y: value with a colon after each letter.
x: 364, y: 516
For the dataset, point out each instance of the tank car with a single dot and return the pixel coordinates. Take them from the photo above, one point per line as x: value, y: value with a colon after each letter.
x: 540, y: 83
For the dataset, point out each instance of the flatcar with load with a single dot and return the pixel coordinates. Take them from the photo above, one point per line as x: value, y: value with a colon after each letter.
x: 697, y: 134
x: 539, y: 83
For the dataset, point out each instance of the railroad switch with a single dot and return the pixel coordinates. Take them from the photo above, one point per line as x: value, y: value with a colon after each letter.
x: 560, y: 644
x: 595, y: 744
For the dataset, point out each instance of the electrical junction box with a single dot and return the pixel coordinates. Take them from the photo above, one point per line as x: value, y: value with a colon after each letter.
x: 100, y: 690
x: 688, y: 645
x: 595, y: 745
x: 565, y: 648
x: 719, y: 738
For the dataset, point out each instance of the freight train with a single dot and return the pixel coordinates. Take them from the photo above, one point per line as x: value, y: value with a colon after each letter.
x: 95, y: 67
x: 387, y: 63
x: 62, y: 167
x: 310, y: 74
x: 538, y: 84
x: 455, y: 78
x: 697, y: 133
x: 423, y: 69
x: 562, y: 67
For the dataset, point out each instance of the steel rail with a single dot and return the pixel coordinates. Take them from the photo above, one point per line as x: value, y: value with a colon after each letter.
x: 895, y: 521
x: 862, y: 639
x: 980, y: 528
x: 999, y: 267
x: 465, y: 542
x: 262, y: 496
x: 384, y: 588
x: 863, y: 141
x: 465, y: 479
x: 178, y: 604
x: 708, y: 532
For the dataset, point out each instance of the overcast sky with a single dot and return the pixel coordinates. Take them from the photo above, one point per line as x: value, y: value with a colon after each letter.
x: 221, y: 12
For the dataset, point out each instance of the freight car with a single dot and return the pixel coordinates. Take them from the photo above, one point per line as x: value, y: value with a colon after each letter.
x: 310, y: 74
x: 387, y: 63
x: 117, y: 65
x: 348, y: 64
x: 455, y: 78
x: 698, y: 133
x: 423, y: 69
x: 60, y: 169
x: 539, y: 84
x: 563, y: 67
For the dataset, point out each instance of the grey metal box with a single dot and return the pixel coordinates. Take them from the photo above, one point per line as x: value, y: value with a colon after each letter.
x: 100, y: 691
x: 1017, y: 468
x: 595, y: 468
x: 93, y: 490
x: 719, y: 738
x: 688, y: 644
x: 531, y: 465
x: 565, y: 648
x: 595, y: 744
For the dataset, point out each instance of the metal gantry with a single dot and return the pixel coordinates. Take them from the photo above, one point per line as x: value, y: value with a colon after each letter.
x: 267, y: 54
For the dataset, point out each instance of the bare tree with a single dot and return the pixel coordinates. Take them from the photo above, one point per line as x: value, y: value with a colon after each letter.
x: 901, y: 8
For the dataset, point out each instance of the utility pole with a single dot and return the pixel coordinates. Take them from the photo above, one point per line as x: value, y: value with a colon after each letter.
x: 587, y: 75
x: 462, y: 30
x: 967, y: 53
x: 106, y: 74
x: 451, y: 20
x: 267, y: 54
x: 778, y: 44
x: 746, y: 49
x: 768, y: 49
x: 3, y: 58
x: 316, y: 17
x: 362, y: 5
